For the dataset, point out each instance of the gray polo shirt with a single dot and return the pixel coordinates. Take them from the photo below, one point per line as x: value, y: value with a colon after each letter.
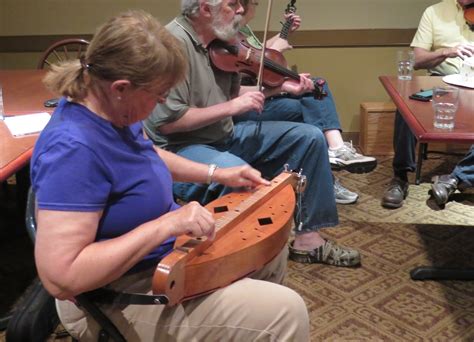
x: 204, y: 86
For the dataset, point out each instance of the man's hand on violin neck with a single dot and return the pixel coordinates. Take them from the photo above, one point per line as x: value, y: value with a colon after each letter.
x: 296, y: 21
x: 305, y: 85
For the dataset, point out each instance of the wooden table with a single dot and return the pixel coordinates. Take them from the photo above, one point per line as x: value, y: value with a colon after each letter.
x: 419, y: 115
x: 23, y: 92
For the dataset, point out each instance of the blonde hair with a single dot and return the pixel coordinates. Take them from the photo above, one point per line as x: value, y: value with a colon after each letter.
x: 131, y: 46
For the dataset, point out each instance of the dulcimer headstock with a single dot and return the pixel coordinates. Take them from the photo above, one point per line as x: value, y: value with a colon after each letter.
x: 297, y: 179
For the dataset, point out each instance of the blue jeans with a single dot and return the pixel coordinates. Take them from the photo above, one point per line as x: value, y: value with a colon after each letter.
x: 464, y: 170
x: 319, y: 113
x: 404, y: 145
x: 268, y: 146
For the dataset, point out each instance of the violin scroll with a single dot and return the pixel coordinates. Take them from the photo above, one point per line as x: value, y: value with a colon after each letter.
x: 319, y: 92
x: 291, y: 8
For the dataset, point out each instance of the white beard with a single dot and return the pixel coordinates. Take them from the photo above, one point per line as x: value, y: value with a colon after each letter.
x: 226, y: 32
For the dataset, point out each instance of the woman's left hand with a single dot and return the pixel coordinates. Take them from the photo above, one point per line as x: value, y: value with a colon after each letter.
x: 239, y: 176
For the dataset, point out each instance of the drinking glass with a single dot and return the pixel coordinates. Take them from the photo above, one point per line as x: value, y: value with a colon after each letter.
x: 405, y: 62
x: 445, y: 105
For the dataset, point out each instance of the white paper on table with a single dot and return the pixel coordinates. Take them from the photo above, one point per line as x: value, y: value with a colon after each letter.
x: 26, y: 124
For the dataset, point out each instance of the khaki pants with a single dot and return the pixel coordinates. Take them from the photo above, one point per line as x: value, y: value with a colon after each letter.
x: 252, y: 309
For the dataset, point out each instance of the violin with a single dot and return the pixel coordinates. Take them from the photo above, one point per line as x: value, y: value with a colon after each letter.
x: 285, y: 30
x: 469, y: 16
x: 239, y: 56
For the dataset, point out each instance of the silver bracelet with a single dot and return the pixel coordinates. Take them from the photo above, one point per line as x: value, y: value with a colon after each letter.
x: 210, y: 173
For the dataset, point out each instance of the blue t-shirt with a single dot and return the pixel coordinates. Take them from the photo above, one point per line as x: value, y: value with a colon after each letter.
x: 81, y: 162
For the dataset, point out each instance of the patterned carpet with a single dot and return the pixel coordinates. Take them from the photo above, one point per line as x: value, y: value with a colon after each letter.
x: 379, y: 301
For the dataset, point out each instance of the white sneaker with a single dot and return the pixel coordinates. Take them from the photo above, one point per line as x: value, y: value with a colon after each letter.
x: 343, y: 195
x: 347, y: 158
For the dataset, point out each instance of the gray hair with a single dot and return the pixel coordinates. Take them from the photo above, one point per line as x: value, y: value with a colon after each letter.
x: 190, y: 8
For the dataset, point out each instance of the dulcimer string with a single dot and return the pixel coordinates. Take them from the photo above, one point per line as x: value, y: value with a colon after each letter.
x: 258, y: 195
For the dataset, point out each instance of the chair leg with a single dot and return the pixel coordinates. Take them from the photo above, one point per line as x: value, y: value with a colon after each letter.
x: 441, y: 273
x: 425, y: 151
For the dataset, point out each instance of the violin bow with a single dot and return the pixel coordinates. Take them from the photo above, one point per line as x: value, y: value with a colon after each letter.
x: 262, y: 56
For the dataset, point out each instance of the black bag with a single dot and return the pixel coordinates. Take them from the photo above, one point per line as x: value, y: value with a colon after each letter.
x: 34, y: 317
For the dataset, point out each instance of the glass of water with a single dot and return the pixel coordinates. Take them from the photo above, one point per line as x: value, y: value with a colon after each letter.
x: 445, y: 105
x: 405, y: 62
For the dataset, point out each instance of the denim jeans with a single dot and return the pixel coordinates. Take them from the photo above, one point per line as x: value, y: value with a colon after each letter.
x: 319, y: 113
x: 268, y: 146
x: 464, y: 170
x: 404, y: 145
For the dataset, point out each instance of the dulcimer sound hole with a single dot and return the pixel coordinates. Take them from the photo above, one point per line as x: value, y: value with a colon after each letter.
x: 265, y: 220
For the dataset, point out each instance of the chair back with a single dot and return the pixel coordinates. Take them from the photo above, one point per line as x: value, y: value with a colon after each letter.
x: 63, y: 50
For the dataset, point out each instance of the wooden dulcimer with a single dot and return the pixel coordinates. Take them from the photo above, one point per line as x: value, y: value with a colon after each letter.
x: 251, y: 229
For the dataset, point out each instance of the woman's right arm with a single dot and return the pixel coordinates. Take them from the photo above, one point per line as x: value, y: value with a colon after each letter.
x: 70, y: 262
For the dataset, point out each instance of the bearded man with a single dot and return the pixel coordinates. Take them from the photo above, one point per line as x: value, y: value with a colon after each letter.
x: 196, y: 122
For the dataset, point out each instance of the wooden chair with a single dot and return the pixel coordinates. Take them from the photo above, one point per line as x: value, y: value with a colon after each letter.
x: 66, y: 49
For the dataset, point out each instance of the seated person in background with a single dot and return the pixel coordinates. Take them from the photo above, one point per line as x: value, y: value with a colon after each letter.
x: 461, y: 178
x: 442, y: 41
x: 106, y: 214
x: 320, y: 113
x: 196, y: 123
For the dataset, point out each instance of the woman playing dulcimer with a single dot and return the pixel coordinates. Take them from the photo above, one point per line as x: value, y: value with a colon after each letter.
x: 106, y: 214
x: 320, y: 113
